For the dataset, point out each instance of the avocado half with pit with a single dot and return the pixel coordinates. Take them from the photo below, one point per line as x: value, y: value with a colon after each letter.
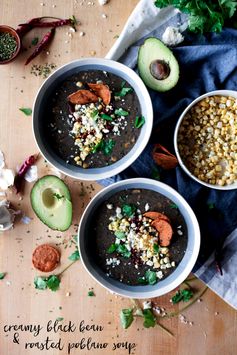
x: 51, y: 202
x: 157, y: 65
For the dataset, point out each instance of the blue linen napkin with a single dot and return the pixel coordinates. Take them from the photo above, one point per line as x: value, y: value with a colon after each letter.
x: 206, y: 63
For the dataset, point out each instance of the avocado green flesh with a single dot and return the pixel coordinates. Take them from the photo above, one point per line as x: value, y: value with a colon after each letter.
x: 51, y: 202
x: 151, y: 50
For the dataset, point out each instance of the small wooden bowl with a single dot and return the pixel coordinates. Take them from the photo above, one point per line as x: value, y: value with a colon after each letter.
x: 12, y: 32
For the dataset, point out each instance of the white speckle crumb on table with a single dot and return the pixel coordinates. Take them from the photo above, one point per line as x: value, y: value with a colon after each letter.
x: 82, y: 34
x: 68, y: 294
x: 103, y: 2
x: 104, y: 16
x: 216, y: 313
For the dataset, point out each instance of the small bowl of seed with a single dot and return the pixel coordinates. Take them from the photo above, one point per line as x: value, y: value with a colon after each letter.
x: 10, y: 44
x: 205, y: 140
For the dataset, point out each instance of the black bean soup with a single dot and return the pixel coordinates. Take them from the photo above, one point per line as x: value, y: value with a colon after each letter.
x: 127, y: 246
x: 93, y: 135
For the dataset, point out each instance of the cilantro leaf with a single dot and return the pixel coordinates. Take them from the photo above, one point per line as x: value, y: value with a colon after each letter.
x: 111, y: 249
x: 182, y: 295
x: 122, y: 250
x: 126, y: 317
x: 156, y: 248
x: 107, y: 146
x: 106, y: 117
x: 40, y: 283
x: 142, y: 280
x: 121, y: 112
x: 26, y: 111
x: 174, y: 206
x: 149, y: 318
x: 151, y: 277
x: 59, y: 319
x: 120, y: 234
x: 95, y: 115
x: 2, y: 275
x: 128, y: 209
x: 204, y: 16
x: 139, y: 121
x: 91, y: 293
x: 123, y: 92
x: 75, y: 255
x: 53, y: 282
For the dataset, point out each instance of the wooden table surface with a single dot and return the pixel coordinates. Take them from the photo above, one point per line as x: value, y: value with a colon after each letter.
x: 214, y: 323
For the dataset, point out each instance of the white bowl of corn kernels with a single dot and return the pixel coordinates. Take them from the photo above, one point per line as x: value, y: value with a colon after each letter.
x: 205, y: 140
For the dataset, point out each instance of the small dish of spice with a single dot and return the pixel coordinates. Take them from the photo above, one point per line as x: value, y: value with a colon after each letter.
x: 10, y: 44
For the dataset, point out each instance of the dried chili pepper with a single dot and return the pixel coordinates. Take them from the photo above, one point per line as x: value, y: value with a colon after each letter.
x: 39, y: 22
x: 22, y: 171
x: 164, y: 158
x: 41, y: 45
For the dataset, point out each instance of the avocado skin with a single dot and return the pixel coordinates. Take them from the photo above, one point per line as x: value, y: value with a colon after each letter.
x: 153, y: 49
x: 37, y: 204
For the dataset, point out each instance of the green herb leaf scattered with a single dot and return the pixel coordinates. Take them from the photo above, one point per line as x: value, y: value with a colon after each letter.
x: 59, y: 319
x: 120, y: 234
x: 107, y: 146
x: 2, y: 275
x: 26, y: 111
x: 156, y: 248
x: 182, y: 295
x: 151, y: 277
x: 139, y: 121
x: 106, y: 117
x: 128, y: 209
x: 91, y: 293
x: 126, y: 317
x: 121, y: 112
x: 122, y: 250
x: 95, y: 115
x: 34, y: 41
x: 53, y: 282
x: 149, y: 318
x: 204, y: 16
x: 112, y: 248
x: 174, y: 206
x: 123, y: 92
x: 74, y: 256
x: 142, y: 280
x: 40, y: 283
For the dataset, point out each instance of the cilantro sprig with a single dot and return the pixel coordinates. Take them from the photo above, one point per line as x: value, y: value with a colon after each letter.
x: 42, y: 283
x: 128, y: 209
x: 182, y: 295
x: 204, y: 16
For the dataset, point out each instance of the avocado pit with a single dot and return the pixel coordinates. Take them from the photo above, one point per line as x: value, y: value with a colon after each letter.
x: 159, y: 69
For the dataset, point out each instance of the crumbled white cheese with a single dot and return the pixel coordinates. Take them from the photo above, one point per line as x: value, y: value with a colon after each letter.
x: 146, y: 305
x: 159, y: 274
x: 179, y: 232
x: 147, y: 207
x: 172, y: 36
x: 109, y: 206
x: 112, y: 261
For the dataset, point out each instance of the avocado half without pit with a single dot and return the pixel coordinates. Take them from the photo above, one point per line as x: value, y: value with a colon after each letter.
x: 157, y: 65
x: 51, y: 202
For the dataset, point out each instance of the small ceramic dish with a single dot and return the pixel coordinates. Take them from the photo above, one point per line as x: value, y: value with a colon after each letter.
x: 12, y: 32
x: 227, y: 93
x: 40, y: 119
x: 87, y: 244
